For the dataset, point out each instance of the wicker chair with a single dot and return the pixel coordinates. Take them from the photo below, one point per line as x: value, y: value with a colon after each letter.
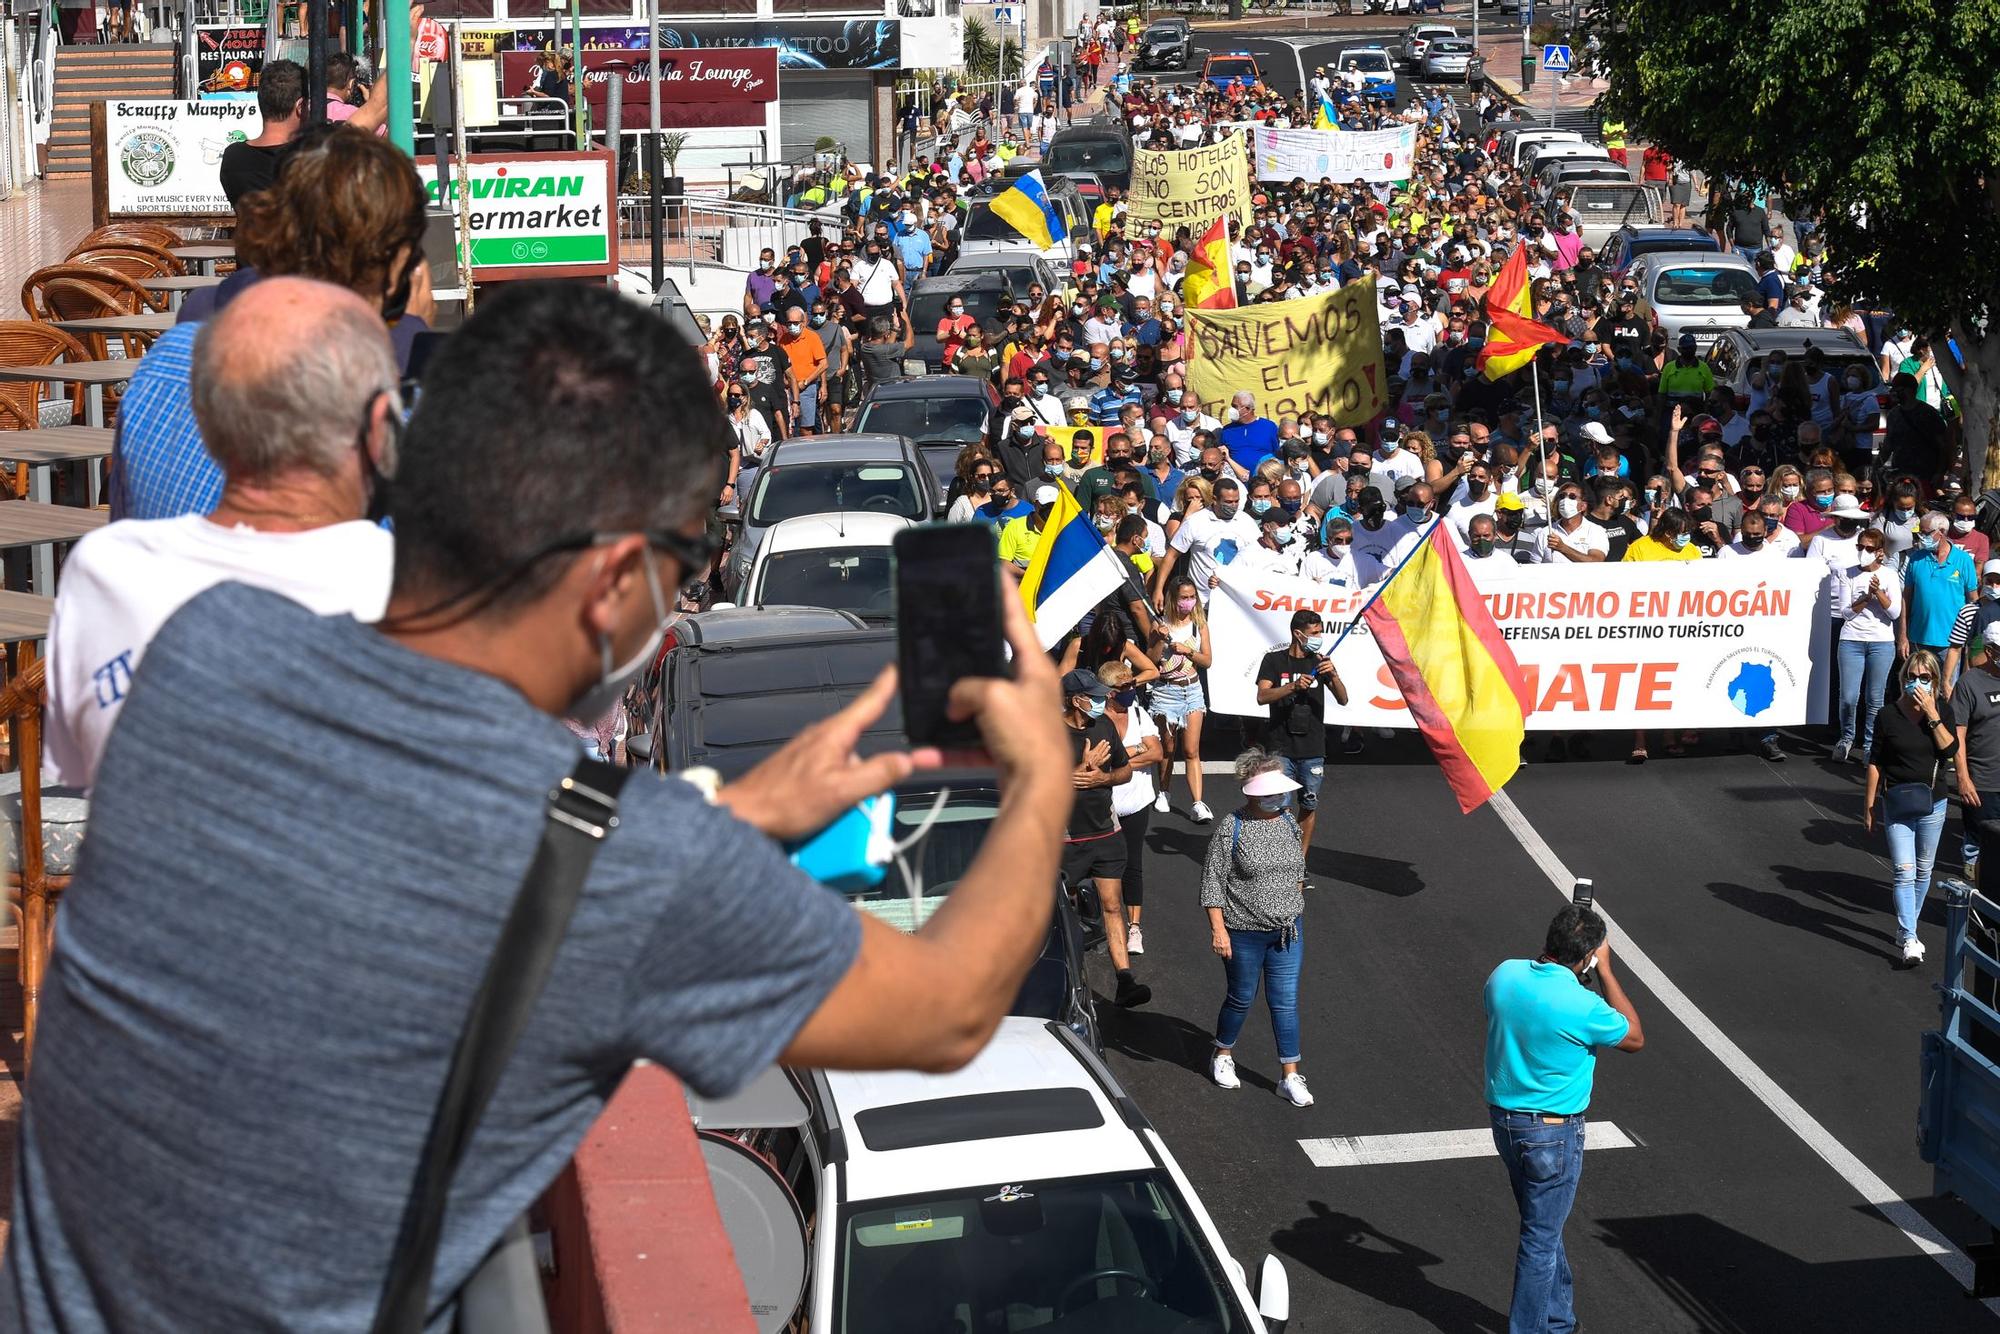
x: 40, y: 867
x: 149, y: 233
x: 82, y: 292
x: 136, y: 260
x: 25, y: 343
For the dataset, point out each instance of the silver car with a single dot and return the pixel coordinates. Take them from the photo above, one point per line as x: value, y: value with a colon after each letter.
x: 1693, y: 291
x: 1448, y: 58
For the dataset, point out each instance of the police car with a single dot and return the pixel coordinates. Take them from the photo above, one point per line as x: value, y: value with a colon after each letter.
x: 1367, y: 70
x: 1227, y: 67
x: 1025, y: 1191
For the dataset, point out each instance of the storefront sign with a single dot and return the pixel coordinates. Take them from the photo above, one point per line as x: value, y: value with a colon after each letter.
x: 536, y: 215
x: 1681, y: 644
x: 165, y: 156
x: 228, y: 60
x: 698, y: 89
x: 802, y: 44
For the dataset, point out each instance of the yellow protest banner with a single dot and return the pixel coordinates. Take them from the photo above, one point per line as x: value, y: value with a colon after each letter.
x: 1191, y: 187
x: 1319, y: 354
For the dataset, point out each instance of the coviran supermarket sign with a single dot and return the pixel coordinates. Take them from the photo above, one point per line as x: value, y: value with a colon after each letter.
x: 534, y: 215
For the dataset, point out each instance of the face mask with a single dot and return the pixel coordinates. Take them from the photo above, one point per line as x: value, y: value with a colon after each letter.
x: 1338, y: 552
x: 1041, y: 389
x: 1052, y: 469
x: 794, y: 327
x: 1290, y: 507
x: 1753, y: 542
x: 1789, y: 491
x: 1847, y: 527
x: 1174, y: 395
x: 1224, y: 512
x: 1961, y: 525
x: 1093, y: 708
x: 1321, y: 643
x: 1823, y: 502
x: 1509, y: 522
x: 1476, y: 489
x: 1568, y: 507
x: 1277, y: 802
x: 1185, y: 606
x: 763, y: 266
x: 1284, y: 537
x: 1867, y: 559
x: 1992, y: 591
x: 1680, y: 541
x: 1927, y: 541
x: 611, y: 685
x: 1097, y: 363
x: 1544, y: 485
x: 1912, y: 686
x: 1416, y: 513
x: 1025, y: 432
x: 1126, y: 697
x: 1260, y: 506
x: 1481, y: 546
x: 1105, y: 523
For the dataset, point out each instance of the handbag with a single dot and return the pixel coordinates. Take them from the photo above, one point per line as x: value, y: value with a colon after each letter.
x: 582, y: 810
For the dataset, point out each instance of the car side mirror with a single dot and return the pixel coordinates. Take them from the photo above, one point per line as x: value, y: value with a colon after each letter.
x: 1274, y: 1295
x: 729, y: 513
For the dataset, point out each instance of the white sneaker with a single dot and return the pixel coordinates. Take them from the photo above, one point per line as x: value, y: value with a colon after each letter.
x: 1292, y: 1088
x: 1222, y: 1069
x: 1913, y: 950
x: 1161, y: 804
x: 1135, y: 940
x: 1200, y: 813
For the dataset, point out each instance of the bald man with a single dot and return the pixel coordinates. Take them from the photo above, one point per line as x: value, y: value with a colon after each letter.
x: 295, y: 392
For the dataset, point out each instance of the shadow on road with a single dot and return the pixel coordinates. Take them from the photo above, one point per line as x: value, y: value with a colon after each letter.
x: 1399, y: 880
x: 1149, y: 1035
x: 1352, y: 1253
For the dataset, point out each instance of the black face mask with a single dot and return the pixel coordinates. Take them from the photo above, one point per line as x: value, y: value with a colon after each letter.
x: 1762, y: 432
x: 1509, y: 522
x: 1753, y: 542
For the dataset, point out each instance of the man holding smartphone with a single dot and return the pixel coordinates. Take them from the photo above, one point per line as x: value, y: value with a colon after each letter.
x: 1544, y: 1025
x: 1292, y: 682
x: 1092, y: 849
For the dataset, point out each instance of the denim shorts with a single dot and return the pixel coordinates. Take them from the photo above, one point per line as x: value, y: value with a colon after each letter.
x: 1177, y: 703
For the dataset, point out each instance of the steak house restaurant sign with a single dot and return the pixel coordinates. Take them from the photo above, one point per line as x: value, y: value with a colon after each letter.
x: 704, y: 89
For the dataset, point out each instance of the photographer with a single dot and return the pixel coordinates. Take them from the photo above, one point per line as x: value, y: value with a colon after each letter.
x: 1543, y: 1028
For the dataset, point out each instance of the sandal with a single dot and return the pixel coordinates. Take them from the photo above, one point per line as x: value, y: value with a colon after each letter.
x: 1637, y: 757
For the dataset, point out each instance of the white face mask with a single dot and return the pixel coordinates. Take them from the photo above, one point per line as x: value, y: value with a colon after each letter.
x: 594, y: 703
x: 1867, y: 559
x: 1961, y: 525
x: 1789, y: 492
x: 1568, y: 507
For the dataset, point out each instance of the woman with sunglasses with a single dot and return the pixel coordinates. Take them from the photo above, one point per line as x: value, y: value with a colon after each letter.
x: 1867, y: 599
x: 1910, y: 769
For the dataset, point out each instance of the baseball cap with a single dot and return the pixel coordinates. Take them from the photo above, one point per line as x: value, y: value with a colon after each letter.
x: 1508, y: 500
x: 1046, y: 494
x: 1390, y: 426
x: 1024, y: 413
x: 1595, y: 433
x: 1991, y: 566
x: 1084, y: 682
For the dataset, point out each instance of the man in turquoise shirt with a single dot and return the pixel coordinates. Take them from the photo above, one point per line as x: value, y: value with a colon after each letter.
x: 1543, y: 1028
x: 1938, y: 580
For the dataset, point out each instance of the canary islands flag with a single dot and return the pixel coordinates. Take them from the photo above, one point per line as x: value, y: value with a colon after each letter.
x: 1026, y: 208
x: 1071, y: 571
x: 1458, y: 676
x: 1325, y: 117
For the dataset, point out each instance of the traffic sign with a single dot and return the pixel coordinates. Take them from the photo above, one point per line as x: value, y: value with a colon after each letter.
x: 1555, y: 59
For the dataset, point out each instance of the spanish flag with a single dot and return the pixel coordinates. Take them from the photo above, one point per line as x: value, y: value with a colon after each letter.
x: 1457, y: 674
x: 1208, y: 283
x: 1513, y: 334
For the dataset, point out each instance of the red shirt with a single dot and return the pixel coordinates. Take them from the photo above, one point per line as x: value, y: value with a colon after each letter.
x: 1658, y: 161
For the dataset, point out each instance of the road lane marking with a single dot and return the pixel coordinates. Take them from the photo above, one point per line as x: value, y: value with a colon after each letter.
x: 1432, y: 1146
x: 1636, y: 962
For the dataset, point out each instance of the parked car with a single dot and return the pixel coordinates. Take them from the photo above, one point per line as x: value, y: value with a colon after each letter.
x: 1538, y: 155
x: 826, y: 474
x: 1022, y: 268
x: 1024, y: 1191
x: 1226, y: 67
x: 1553, y: 176
x: 941, y: 413
x: 987, y: 232
x: 1417, y: 37
x: 1602, y: 207
x: 1166, y: 43
x: 983, y: 290
x: 1367, y: 70
x: 1629, y: 243
x: 1690, y: 291
x: 1737, y: 354
x: 1098, y: 150
x: 841, y: 561
x: 1516, y: 144
x: 1450, y: 58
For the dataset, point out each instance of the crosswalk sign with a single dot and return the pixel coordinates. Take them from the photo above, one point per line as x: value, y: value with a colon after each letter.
x: 1555, y: 59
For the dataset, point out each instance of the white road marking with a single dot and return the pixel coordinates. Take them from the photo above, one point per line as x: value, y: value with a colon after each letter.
x: 1432, y: 1146
x: 1782, y: 1105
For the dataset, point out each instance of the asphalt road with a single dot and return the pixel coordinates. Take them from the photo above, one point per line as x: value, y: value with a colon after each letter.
x: 1750, y: 885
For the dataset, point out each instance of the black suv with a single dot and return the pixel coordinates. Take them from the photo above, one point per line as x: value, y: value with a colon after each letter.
x: 1166, y: 43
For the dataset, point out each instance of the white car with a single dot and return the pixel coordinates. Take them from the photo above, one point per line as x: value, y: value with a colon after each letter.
x: 1368, y: 70
x: 1692, y: 291
x: 1418, y: 39
x: 840, y: 561
x: 1518, y: 144
x: 1022, y: 1192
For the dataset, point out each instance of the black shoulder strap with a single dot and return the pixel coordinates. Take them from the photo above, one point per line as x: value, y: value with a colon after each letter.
x: 583, y: 808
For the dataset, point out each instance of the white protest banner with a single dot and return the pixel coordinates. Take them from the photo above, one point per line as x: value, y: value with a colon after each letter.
x: 1191, y: 187
x: 536, y: 215
x: 1376, y: 156
x: 165, y: 156
x: 1694, y: 644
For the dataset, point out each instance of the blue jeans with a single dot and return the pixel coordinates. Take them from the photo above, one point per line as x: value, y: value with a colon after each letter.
x: 1864, y: 675
x: 1544, y: 1164
x: 1308, y: 774
x: 1255, y: 954
x: 1914, y: 819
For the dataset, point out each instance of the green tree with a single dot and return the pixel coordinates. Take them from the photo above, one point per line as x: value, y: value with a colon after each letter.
x: 1885, y: 114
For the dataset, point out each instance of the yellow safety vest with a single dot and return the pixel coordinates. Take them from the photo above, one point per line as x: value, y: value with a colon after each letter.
x: 1614, y: 134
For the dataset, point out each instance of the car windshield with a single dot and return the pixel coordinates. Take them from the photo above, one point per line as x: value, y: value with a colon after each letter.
x: 1102, y: 156
x: 1232, y: 68
x: 1163, y: 32
x: 960, y: 420
x: 1703, y: 287
x: 927, y: 308
x: 1368, y: 62
x: 855, y: 579
x: 942, y: 858
x: 787, y: 491
x: 1838, y: 363
x: 1092, y: 1253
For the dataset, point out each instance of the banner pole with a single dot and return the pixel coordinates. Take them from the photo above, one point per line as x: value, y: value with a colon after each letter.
x: 1541, y: 441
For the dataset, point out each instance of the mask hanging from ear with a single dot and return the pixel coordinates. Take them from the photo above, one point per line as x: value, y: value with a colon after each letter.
x: 597, y: 701
x: 377, y: 476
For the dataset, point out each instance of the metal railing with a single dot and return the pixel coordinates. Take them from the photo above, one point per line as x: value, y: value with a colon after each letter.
x: 1958, y: 1126
x: 713, y: 229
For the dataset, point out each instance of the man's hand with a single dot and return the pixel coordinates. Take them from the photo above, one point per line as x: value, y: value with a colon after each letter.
x: 1326, y: 670
x: 1968, y: 795
x: 1674, y: 422
x: 807, y: 785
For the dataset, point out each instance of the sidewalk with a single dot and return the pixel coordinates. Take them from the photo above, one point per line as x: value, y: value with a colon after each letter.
x: 38, y: 225
x: 1502, y: 53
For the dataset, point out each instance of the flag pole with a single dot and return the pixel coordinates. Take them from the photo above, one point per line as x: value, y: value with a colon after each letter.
x: 1347, y: 630
x: 1541, y: 441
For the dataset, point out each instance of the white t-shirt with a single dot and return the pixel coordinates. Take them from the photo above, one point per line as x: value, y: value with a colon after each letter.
x: 1873, y: 623
x: 1322, y: 568
x: 1180, y: 434
x: 123, y: 581
x: 1209, y: 543
x: 1136, y: 793
x: 1264, y: 559
x: 1588, y: 538
x: 1837, y: 552
x: 1393, y: 473
x: 1766, y: 550
x: 1460, y: 515
x: 1374, y: 546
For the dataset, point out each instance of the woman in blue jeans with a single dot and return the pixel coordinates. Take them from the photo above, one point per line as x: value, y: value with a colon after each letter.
x: 1910, y: 768
x: 1867, y: 599
x: 1250, y: 885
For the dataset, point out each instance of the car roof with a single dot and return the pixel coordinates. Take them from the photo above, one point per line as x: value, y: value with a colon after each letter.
x: 817, y: 532
x: 1644, y: 233
x: 1707, y: 259
x: 928, y: 386
x: 1089, y: 133
x: 1025, y: 1108
x: 1794, y: 339
x: 852, y: 447
x: 727, y: 627
x: 1026, y: 257
x: 971, y: 280
x: 1376, y: 47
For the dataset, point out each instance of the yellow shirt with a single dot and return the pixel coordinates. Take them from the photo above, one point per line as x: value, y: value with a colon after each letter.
x: 1018, y: 541
x: 1651, y: 548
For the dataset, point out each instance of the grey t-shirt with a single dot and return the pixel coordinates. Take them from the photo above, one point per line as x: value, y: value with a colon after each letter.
x: 1976, y: 705
x: 303, y: 841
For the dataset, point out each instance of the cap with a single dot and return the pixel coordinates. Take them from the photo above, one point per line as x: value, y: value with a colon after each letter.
x: 1595, y: 433
x: 1267, y: 784
x: 1024, y: 413
x: 1508, y: 500
x: 1686, y: 343
x: 1046, y: 494
x: 1991, y: 566
x: 1085, y: 682
x: 1389, y: 426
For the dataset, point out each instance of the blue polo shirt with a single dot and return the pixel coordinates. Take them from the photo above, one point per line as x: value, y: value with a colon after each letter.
x: 1934, y: 591
x: 1543, y: 1029
x: 1251, y: 442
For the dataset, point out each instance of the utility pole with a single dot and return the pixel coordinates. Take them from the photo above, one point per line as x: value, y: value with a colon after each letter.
x: 396, y: 69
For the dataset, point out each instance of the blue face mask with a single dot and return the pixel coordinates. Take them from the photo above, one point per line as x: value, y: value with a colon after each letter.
x: 1927, y: 541
x: 1097, y: 363
x: 1052, y: 469
x: 1275, y: 802
x: 1825, y: 501
x: 1260, y: 506
x: 1290, y: 507
x: 1093, y: 708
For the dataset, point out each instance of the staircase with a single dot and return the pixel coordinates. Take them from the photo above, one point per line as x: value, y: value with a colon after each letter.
x: 87, y: 74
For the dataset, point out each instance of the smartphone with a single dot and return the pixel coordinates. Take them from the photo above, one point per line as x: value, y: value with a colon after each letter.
x: 947, y: 625
x: 1581, y: 893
